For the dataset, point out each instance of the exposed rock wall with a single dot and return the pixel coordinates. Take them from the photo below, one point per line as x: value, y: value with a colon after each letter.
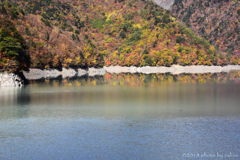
x: 53, y: 73
x: 175, y: 69
x: 38, y: 73
x: 10, y: 80
x: 166, y: 4
x: 34, y: 74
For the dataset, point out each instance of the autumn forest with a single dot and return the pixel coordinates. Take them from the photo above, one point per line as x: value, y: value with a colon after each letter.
x: 95, y: 33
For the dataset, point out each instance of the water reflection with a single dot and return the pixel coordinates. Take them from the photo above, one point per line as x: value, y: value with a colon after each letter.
x: 142, y: 79
x: 120, y: 95
x: 157, y: 116
x: 17, y: 101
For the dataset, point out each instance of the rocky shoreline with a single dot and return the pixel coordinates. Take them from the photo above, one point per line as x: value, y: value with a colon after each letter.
x: 11, y: 80
x: 34, y: 74
x: 175, y: 69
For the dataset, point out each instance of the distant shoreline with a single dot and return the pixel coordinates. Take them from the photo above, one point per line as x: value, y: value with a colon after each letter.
x: 34, y: 73
x: 12, y: 80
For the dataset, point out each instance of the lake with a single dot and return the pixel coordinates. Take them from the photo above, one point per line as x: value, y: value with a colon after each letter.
x: 123, y: 116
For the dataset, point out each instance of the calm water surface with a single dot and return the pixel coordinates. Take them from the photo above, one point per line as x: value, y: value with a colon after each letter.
x: 122, y: 117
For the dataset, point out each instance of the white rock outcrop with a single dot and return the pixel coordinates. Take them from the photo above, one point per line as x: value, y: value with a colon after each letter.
x: 68, y: 72
x: 81, y: 72
x: 34, y: 74
x: 121, y: 69
x: 175, y: 69
x: 10, y: 80
x: 166, y: 4
x: 96, y: 71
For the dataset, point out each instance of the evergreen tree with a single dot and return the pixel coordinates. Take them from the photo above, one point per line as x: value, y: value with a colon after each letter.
x: 27, y: 31
x: 3, y: 10
x: 47, y: 35
x: 122, y: 35
x: 78, y: 38
x: 73, y: 37
x: 13, y: 45
x: 14, y: 13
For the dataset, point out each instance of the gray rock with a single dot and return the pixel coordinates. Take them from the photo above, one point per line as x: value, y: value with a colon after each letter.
x: 50, y: 73
x: 96, y: 71
x: 38, y: 73
x: 68, y: 72
x: 121, y: 69
x: 81, y: 72
x: 10, y: 80
x: 150, y: 70
x: 175, y: 69
x: 166, y: 4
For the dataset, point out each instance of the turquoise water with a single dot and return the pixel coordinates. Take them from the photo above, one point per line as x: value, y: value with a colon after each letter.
x: 121, y: 117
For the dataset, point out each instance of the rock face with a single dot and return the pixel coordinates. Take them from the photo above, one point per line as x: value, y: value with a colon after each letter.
x: 10, y: 80
x: 121, y: 69
x: 38, y: 73
x: 96, y: 71
x: 34, y: 74
x: 166, y: 4
x: 81, y: 72
x: 68, y: 72
x: 175, y: 69
x: 52, y: 73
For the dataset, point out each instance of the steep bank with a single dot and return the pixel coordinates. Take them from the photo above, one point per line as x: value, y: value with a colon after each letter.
x: 91, y: 33
x: 215, y: 20
x: 34, y: 74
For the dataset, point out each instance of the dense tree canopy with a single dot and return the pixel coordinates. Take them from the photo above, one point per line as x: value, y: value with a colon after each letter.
x: 215, y: 20
x: 12, y: 48
x: 94, y: 33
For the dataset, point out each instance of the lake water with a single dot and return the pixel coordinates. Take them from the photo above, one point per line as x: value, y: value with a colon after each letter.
x: 126, y: 116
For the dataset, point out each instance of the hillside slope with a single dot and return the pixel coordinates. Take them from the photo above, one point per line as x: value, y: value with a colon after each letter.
x: 13, y: 56
x: 95, y: 33
x: 215, y: 20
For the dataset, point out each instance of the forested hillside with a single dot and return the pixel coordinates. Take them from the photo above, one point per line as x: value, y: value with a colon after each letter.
x: 13, y: 56
x: 215, y: 20
x: 94, y: 33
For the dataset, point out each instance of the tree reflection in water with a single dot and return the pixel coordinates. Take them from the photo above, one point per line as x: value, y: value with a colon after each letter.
x: 141, y: 79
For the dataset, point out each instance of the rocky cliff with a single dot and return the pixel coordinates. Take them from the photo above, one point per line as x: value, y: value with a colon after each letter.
x: 166, y: 4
